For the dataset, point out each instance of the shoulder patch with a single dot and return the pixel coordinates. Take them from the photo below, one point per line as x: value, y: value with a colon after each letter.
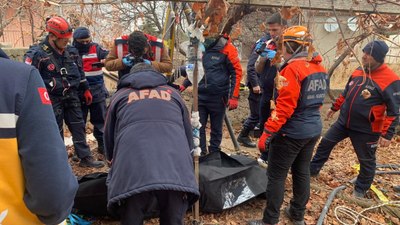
x: 44, y: 96
x: 28, y: 60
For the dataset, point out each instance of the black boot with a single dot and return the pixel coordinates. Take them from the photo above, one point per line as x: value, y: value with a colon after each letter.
x: 90, y: 162
x: 244, y: 138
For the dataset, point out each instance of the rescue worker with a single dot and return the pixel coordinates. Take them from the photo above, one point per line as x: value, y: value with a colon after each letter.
x: 369, y: 112
x: 119, y: 57
x: 158, y: 144
x: 93, y: 56
x: 294, y: 127
x: 60, y: 66
x: 219, y: 88
x: 261, y: 83
x: 37, y: 183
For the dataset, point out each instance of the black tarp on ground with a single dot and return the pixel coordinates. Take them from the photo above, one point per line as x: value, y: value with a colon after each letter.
x: 227, y: 181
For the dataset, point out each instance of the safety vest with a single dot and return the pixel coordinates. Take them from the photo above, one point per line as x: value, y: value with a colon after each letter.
x: 88, y: 59
x: 156, y: 44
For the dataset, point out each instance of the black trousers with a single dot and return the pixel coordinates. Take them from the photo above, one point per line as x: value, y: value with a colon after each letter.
x: 365, y: 146
x: 265, y: 112
x: 68, y: 108
x: 288, y: 153
x: 215, y: 109
x: 97, y: 115
x: 254, y: 104
x: 172, y: 204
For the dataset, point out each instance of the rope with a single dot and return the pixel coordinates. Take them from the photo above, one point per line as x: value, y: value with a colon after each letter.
x: 355, y: 216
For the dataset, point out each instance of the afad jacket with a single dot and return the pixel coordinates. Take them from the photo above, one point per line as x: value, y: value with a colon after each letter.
x: 37, y: 185
x: 154, y: 147
x: 297, y: 113
x: 370, y: 103
x: 222, y: 71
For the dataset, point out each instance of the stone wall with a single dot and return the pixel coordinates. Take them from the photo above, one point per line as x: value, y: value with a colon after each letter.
x: 16, y: 54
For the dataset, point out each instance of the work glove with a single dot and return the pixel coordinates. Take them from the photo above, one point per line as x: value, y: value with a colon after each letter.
x: 182, y: 88
x: 148, y: 62
x: 264, y: 141
x: 127, y: 61
x: 88, y: 97
x: 233, y: 103
x: 269, y: 54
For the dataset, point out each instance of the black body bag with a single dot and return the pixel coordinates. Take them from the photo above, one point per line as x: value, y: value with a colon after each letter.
x: 227, y: 181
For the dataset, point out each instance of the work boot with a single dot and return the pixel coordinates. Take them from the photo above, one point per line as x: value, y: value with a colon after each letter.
x: 358, y: 194
x: 75, y: 158
x: 90, y: 162
x: 289, y: 215
x: 257, y: 222
x: 244, y: 138
x: 257, y: 131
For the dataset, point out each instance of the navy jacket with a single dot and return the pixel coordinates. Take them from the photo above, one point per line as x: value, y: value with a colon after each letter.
x: 379, y: 113
x: 36, y: 179
x: 300, y: 97
x: 154, y: 147
x: 222, y: 69
x: 38, y: 56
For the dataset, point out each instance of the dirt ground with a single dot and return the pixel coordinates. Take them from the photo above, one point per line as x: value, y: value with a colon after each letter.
x: 338, y: 171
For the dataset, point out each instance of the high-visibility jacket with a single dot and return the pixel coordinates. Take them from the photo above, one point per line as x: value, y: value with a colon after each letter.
x: 153, y: 55
x: 94, y: 75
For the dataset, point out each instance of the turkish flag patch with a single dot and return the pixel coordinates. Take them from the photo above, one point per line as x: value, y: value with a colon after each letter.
x: 44, y: 96
x: 51, y: 67
x: 28, y: 61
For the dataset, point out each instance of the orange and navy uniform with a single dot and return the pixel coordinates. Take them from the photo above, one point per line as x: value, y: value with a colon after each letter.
x: 222, y: 69
x: 37, y: 183
x: 377, y: 113
x: 300, y: 98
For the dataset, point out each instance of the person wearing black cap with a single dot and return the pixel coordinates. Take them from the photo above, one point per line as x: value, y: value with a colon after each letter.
x: 369, y: 113
x: 93, y: 56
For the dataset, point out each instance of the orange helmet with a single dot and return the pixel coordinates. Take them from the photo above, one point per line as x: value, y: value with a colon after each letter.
x: 59, y: 27
x: 298, y: 34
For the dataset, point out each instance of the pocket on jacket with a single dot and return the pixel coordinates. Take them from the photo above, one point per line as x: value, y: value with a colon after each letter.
x: 377, y: 117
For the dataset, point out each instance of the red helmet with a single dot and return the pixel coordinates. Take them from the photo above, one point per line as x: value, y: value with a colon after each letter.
x: 59, y: 27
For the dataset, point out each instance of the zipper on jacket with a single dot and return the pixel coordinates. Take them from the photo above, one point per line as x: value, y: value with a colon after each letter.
x: 351, y: 103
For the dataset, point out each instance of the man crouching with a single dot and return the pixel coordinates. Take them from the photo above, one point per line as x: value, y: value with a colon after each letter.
x: 148, y: 142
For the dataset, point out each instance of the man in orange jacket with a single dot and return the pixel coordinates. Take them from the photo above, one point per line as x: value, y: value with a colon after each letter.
x: 369, y: 112
x: 294, y: 127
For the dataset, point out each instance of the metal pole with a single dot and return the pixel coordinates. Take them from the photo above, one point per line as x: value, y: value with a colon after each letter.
x: 231, y: 133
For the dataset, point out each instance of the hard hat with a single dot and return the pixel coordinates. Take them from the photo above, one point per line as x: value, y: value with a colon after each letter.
x: 59, y: 27
x: 298, y: 34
